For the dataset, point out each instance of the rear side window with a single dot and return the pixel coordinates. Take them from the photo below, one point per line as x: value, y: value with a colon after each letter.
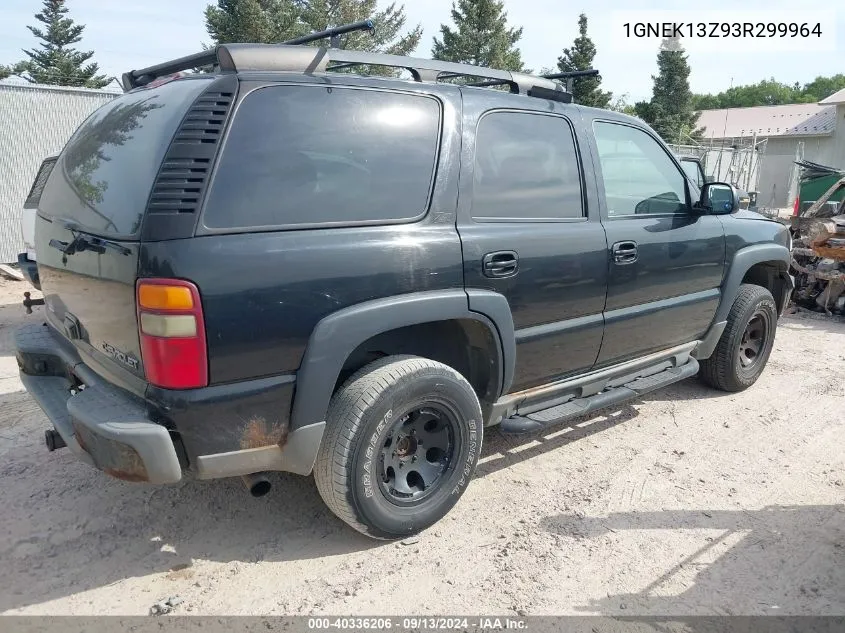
x: 103, y: 178
x: 526, y: 168
x: 311, y: 155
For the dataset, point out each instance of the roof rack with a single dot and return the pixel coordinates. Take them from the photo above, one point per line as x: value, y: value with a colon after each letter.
x: 210, y: 57
x: 291, y: 57
x: 571, y: 75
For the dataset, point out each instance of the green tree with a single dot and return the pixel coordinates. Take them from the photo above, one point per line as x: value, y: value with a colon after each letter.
x: 480, y: 36
x: 621, y: 104
x: 14, y: 69
x: 670, y: 111
x: 273, y: 21
x: 57, y: 62
x: 585, y: 91
x: 822, y: 87
x: 388, y: 37
x: 706, y: 102
x: 771, y: 92
x: 262, y: 21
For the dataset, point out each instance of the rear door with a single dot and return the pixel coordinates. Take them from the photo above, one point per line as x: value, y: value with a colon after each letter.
x: 665, y: 262
x: 89, y: 219
x: 530, y: 230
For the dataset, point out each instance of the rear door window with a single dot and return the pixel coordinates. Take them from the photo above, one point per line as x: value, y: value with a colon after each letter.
x: 526, y: 168
x: 103, y: 178
x: 300, y: 156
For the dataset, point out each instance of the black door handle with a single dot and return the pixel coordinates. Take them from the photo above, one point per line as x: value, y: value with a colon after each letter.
x: 625, y: 252
x: 500, y: 264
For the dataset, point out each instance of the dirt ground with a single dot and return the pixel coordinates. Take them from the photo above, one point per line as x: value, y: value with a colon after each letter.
x: 687, y: 502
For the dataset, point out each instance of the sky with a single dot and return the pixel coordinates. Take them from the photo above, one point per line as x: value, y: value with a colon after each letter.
x: 128, y: 34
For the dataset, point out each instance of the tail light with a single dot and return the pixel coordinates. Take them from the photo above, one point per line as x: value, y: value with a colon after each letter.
x: 172, y: 333
x: 795, y: 208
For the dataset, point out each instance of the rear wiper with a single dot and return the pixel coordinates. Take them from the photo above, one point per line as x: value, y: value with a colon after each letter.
x: 85, y: 242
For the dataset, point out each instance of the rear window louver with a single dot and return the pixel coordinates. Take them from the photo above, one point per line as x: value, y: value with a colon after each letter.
x: 41, y: 177
x: 186, y: 168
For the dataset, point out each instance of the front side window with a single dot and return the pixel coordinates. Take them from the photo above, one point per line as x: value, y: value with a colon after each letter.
x: 526, y: 168
x: 316, y: 155
x: 639, y: 176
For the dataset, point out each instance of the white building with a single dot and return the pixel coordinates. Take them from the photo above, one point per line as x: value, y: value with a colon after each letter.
x: 813, y: 131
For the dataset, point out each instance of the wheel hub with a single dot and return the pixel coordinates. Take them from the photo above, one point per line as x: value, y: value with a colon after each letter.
x: 753, y: 341
x: 406, y: 446
x: 417, y: 451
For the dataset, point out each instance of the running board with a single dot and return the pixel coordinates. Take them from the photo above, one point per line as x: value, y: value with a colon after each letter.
x: 576, y: 407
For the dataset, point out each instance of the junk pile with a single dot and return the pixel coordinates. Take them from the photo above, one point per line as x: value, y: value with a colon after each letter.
x: 818, y: 231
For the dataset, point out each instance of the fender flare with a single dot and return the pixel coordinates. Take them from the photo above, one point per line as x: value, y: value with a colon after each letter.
x: 337, y: 335
x: 742, y: 262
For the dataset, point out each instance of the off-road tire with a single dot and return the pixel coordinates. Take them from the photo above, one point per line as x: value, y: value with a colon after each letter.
x: 724, y: 370
x: 359, y: 422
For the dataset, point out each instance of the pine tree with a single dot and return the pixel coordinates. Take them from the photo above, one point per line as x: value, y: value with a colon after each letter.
x: 57, y: 62
x: 585, y: 91
x: 480, y: 36
x: 273, y: 21
x: 262, y: 21
x: 671, y: 110
x: 320, y: 15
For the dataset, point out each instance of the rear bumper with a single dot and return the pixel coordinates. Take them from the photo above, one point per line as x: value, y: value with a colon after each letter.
x: 219, y: 431
x: 103, y: 425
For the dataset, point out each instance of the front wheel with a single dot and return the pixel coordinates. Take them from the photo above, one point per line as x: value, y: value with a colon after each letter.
x: 402, y: 440
x: 745, y: 345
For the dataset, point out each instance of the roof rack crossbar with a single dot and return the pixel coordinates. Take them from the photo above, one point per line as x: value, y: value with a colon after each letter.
x: 572, y: 74
x: 363, y: 25
x: 210, y: 57
x: 135, y: 78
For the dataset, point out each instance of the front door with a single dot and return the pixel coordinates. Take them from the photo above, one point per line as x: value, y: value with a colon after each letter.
x: 527, y: 234
x: 665, y: 261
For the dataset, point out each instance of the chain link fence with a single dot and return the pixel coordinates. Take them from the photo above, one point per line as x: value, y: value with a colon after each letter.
x: 739, y: 164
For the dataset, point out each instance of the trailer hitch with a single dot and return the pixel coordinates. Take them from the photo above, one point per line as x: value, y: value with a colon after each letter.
x: 28, y: 303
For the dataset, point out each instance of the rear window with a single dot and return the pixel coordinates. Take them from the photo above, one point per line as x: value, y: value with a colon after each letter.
x: 311, y: 155
x: 103, y: 177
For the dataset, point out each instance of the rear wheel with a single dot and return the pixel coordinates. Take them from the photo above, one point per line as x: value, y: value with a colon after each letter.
x: 403, y: 436
x: 745, y: 345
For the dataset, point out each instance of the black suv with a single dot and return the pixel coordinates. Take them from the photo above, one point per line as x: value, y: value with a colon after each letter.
x: 283, y: 266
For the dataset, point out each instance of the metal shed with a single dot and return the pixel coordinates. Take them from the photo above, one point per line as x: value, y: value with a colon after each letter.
x: 35, y: 122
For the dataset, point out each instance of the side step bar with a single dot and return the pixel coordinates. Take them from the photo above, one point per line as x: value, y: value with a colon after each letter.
x: 576, y: 407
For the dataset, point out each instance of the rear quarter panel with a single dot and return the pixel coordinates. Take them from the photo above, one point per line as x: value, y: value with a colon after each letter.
x: 264, y: 292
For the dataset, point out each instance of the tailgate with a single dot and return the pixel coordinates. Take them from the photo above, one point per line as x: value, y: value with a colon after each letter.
x: 90, y: 214
x: 90, y: 297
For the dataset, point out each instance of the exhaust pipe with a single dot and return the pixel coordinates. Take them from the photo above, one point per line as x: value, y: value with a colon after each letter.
x: 53, y: 440
x: 257, y: 484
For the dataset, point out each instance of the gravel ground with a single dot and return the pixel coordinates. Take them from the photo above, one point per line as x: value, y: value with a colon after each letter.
x: 686, y: 502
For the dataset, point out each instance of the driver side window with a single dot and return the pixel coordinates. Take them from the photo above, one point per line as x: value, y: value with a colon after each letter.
x: 639, y: 177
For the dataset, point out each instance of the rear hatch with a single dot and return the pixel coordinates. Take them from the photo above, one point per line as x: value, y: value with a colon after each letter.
x: 88, y: 228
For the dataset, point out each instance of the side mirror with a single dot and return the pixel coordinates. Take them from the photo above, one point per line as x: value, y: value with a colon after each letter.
x: 719, y: 198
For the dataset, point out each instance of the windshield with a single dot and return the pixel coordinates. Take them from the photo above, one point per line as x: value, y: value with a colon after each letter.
x: 104, y: 175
